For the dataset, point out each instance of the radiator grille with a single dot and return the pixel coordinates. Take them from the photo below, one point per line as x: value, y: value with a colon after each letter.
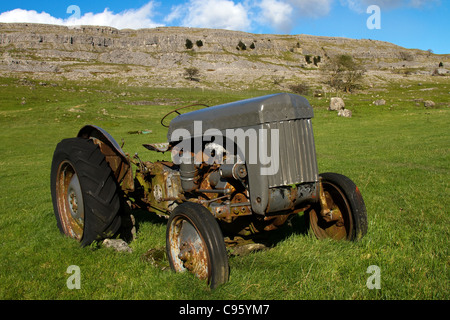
x: 297, y: 161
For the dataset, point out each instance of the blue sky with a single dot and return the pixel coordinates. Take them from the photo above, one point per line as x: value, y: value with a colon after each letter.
x: 421, y: 24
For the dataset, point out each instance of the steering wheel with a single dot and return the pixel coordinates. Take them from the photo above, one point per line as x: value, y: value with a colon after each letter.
x: 178, y: 112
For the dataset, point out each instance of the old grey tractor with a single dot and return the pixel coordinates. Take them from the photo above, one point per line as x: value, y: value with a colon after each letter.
x: 238, y: 170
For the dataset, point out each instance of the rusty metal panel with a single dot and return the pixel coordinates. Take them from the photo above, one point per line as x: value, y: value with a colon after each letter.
x: 297, y: 153
x: 116, y: 158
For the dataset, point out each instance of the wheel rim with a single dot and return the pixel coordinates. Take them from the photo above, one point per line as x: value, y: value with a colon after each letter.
x: 337, y: 202
x: 188, y: 250
x: 70, y: 201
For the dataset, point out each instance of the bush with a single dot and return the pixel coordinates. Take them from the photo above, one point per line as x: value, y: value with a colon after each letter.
x: 301, y: 88
x: 317, y: 60
x: 199, y: 43
x: 406, y: 56
x: 241, y: 46
x: 189, y: 45
x: 277, y: 80
x: 308, y: 59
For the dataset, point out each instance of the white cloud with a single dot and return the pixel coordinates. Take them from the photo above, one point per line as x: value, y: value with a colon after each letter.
x: 309, y: 8
x: 277, y: 14
x: 175, y: 14
x: 133, y: 18
x: 354, y: 5
x: 282, y: 14
x: 19, y: 15
x: 246, y: 15
x: 220, y: 14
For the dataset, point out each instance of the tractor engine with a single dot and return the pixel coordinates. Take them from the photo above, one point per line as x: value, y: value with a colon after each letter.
x: 251, y: 163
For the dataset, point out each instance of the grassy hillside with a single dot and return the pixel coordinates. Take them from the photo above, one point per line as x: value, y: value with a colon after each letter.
x: 398, y: 154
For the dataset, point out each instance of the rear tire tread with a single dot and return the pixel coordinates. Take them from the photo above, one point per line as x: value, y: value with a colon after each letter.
x: 99, y: 188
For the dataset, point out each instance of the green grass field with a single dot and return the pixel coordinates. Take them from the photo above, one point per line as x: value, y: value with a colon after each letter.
x: 398, y: 155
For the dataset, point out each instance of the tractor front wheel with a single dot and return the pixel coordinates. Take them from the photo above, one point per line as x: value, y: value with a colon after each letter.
x: 346, y: 216
x: 194, y: 243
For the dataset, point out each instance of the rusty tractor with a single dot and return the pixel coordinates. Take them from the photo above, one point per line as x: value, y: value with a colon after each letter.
x: 238, y: 171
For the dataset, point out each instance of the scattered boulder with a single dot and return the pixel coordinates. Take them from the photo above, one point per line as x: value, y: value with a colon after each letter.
x: 441, y: 72
x: 336, y: 104
x: 117, y: 244
x: 380, y: 102
x: 429, y: 104
x: 345, y: 113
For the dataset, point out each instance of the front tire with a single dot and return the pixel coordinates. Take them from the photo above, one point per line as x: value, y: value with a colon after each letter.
x: 85, y: 194
x: 194, y: 243
x: 343, y: 196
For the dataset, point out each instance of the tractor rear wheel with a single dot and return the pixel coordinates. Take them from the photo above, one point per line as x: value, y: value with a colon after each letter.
x: 194, y: 243
x: 85, y: 194
x: 345, y: 202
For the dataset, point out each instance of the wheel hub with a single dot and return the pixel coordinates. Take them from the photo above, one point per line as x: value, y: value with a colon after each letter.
x: 190, y: 250
x: 70, y: 201
x: 331, y: 219
x: 75, y: 200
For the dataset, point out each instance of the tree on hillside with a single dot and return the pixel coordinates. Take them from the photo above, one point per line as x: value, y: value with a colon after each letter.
x: 344, y: 73
x: 192, y: 73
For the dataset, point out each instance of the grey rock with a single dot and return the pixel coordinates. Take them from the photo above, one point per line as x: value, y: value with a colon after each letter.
x: 441, y: 71
x: 336, y: 104
x: 117, y: 244
x: 345, y: 113
x: 429, y: 104
x: 380, y: 102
